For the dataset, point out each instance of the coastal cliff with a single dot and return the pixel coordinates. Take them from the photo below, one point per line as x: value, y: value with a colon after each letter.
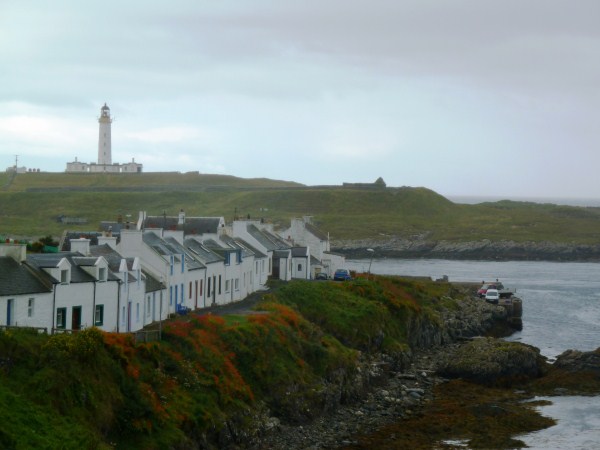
x: 504, y: 250
x: 308, y: 364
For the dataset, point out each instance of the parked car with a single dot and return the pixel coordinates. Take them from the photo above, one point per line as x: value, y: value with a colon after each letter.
x: 342, y: 275
x: 321, y: 276
x: 492, y: 296
x: 483, y: 289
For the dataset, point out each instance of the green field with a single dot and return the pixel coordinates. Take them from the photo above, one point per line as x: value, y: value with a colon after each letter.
x: 30, y: 204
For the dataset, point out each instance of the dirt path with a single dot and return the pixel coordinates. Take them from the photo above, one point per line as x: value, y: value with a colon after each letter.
x: 242, y: 307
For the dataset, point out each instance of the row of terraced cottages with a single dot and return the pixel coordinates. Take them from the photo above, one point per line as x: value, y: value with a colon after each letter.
x: 134, y: 274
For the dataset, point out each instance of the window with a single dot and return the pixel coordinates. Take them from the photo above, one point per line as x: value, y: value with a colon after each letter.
x: 30, y: 305
x: 99, y: 315
x: 64, y: 276
x: 226, y: 285
x: 61, y: 318
x: 227, y: 259
x: 190, y: 290
x: 148, y: 307
x: 219, y: 284
x: 102, y: 274
x: 299, y: 267
x: 237, y: 284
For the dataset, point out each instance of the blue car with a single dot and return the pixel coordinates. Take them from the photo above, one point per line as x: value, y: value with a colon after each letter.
x: 342, y: 275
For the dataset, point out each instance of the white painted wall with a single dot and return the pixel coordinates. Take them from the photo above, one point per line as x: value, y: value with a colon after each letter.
x: 41, y: 315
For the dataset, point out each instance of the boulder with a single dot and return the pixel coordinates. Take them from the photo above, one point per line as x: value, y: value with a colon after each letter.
x: 576, y: 361
x: 492, y: 361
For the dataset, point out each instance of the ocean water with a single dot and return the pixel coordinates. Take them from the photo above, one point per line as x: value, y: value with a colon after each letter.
x: 561, y: 311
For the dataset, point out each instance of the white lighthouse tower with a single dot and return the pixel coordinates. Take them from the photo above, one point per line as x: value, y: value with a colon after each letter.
x: 104, y: 163
x: 104, y: 146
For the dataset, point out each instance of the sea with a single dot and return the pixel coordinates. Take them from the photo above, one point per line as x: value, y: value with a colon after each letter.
x: 561, y: 311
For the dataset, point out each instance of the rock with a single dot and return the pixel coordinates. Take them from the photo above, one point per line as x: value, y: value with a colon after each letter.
x: 420, y: 246
x: 576, y: 361
x: 492, y: 361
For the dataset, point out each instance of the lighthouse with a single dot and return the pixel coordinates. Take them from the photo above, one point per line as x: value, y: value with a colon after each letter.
x: 104, y: 146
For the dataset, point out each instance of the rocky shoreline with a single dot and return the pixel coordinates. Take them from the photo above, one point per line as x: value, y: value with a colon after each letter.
x: 397, y: 393
x: 398, y: 397
x: 395, y: 386
x: 421, y: 247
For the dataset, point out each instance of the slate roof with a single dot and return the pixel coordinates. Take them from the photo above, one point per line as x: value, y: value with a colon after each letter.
x: 315, y: 231
x: 152, y: 284
x: 113, y: 258
x: 50, y: 260
x: 202, y: 253
x: 68, y: 235
x: 299, y: 252
x: 257, y: 253
x: 214, y: 246
x: 235, y: 244
x: 117, y: 227
x: 191, y: 262
x: 191, y: 225
x: 18, y: 279
x: 170, y: 247
x: 281, y: 254
x: 266, y: 239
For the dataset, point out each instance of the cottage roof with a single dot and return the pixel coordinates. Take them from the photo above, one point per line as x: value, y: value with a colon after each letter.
x: 170, y: 247
x: 315, y: 231
x: 279, y: 254
x: 116, y: 227
x: 200, y: 252
x: 266, y: 239
x: 51, y: 260
x: 191, y: 262
x: 257, y: 253
x: 17, y: 279
x: 114, y: 259
x: 299, y: 252
x: 152, y: 284
x: 191, y: 225
x: 65, y: 245
x: 237, y: 244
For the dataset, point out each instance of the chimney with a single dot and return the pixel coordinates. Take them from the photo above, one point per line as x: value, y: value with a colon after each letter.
x: 18, y: 252
x: 110, y: 240
x: 141, y: 220
x: 81, y: 245
x: 181, y: 217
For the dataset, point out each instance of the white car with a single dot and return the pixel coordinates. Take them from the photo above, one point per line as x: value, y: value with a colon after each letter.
x: 492, y: 296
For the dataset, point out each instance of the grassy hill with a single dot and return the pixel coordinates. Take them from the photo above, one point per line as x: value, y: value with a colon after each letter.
x: 30, y: 204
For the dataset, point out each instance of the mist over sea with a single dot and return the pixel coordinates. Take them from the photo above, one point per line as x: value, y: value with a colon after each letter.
x: 561, y: 311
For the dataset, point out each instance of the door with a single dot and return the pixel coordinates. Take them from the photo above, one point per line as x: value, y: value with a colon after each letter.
x: 10, y: 304
x: 76, y: 318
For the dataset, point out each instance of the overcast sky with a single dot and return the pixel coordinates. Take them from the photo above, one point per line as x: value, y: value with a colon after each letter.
x: 465, y: 97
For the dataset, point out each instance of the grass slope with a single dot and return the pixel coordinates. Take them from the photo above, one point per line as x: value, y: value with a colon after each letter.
x: 30, y: 204
x: 92, y: 389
